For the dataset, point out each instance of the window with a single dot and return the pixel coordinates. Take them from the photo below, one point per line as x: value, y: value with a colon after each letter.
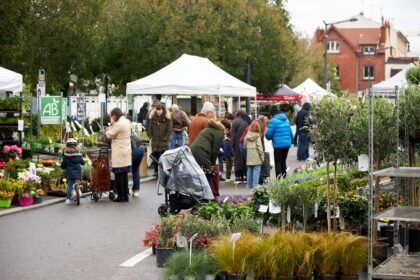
x: 369, y: 50
x: 337, y: 72
x: 368, y: 70
x: 394, y: 72
x: 333, y: 46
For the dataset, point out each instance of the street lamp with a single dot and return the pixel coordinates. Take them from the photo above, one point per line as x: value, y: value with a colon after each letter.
x: 325, y: 45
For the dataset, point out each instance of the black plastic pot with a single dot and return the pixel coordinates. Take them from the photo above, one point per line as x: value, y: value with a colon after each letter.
x: 331, y: 277
x: 304, y: 277
x: 349, y: 277
x: 162, y: 255
x: 284, y: 278
x: 235, y: 277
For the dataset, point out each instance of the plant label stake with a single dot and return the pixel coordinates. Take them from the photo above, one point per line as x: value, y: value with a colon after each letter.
x: 289, y: 218
x: 263, y: 209
x: 235, y: 236
x: 316, y: 209
x: 226, y: 199
x: 181, y: 241
x: 274, y: 209
x: 191, y: 242
x: 363, y: 162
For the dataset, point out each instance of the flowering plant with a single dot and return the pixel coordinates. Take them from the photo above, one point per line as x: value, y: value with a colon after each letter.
x: 29, y: 176
x: 2, y: 164
x: 12, y: 152
x: 151, y: 236
x: 6, y: 194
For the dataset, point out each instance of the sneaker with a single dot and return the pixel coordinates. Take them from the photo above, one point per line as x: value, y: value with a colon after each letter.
x: 136, y: 193
x: 228, y: 180
x: 309, y: 159
x: 67, y: 201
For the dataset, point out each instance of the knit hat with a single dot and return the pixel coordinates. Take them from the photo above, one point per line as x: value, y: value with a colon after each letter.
x: 208, y: 107
x: 174, y: 107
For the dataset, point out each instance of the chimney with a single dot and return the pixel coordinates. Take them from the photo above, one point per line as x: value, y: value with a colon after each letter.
x: 382, y: 19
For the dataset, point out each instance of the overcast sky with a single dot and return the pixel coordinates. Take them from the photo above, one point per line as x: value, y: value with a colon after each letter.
x: 307, y: 15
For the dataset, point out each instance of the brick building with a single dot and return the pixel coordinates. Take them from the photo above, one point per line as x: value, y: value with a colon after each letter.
x: 351, y: 45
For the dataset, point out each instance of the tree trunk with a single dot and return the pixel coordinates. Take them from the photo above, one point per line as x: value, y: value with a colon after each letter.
x: 328, y: 198
x: 193, y: 104
x: 283, y: 216
x: 335, y: 196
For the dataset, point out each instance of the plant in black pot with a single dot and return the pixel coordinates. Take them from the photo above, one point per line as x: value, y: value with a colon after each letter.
x: 354, y: 256
x: 201, y: 266
x: 235, y: 260
x: 166, y: 232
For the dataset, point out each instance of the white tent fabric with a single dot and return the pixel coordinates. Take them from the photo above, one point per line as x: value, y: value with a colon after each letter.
x: 191, y: 75
x: 396, y: 80
x: 10, y: 81
x: 311, y: 90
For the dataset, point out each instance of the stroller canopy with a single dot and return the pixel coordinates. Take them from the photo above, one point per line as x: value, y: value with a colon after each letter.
x: 178, y: 171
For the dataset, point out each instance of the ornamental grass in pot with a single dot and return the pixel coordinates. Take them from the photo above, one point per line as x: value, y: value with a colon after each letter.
x: 330, y: 250
x: 235, y: 262
x: 202, y: 266
x: 354, y: 255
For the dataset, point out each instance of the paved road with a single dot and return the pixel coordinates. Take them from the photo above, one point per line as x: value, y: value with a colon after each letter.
x: 89, y: 241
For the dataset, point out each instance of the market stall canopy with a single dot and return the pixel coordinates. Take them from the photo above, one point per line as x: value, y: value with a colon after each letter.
x: 311, y: 90
x: 388, y: 86
x: 10, y: 81
x: 191, y: 75
x: 284, y: 93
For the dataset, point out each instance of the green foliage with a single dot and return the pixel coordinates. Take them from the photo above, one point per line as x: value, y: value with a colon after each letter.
x: 332, y: 140
x: 354, y: 209
x: 384, y: 129
x: 208, y: 210
x: 179, y: 266
x: 13, y: 103
x: 412, y: 120
x: 87, y: 172
x: 227, y: 211
x: 413, y: 75
x: 16, y: 166
x: 166, y: 232
x: 245, y: 223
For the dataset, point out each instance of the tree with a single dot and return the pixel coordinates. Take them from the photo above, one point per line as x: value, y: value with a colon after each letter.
x: 332, y: 140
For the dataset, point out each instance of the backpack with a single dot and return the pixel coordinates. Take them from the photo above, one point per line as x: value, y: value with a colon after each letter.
x: 178, y: 120
x: 135, y: 141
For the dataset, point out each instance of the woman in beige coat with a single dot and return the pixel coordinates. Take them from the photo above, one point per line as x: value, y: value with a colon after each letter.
x: 119, y: 133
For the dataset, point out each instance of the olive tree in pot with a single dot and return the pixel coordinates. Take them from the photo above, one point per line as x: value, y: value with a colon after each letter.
x: 281, y: 193
x: 332, y: 140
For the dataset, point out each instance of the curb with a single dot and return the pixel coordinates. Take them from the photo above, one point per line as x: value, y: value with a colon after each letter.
x: 53, y: 201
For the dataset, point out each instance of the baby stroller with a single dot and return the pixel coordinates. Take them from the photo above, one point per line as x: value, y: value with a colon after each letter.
x: 101, y: 176
x: 184, y: 181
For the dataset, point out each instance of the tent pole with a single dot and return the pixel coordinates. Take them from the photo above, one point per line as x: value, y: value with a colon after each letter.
x: 220, y: 104
x: 256, y: 108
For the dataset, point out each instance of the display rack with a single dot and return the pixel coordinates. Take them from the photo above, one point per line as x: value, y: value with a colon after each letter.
x: 401, y: 265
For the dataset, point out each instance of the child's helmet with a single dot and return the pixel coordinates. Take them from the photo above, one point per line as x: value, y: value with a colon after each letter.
x: 71, y: 143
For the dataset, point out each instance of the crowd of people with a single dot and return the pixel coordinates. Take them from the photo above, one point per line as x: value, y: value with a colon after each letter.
x: 218, y: 145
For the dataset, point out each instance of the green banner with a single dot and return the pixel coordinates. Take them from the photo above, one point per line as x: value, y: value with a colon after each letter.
x: 50, y: 109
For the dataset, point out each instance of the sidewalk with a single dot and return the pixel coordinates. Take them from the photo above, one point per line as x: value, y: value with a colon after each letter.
x: 50, y: 200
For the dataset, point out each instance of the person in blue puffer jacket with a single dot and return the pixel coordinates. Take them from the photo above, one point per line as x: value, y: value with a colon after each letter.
x: 280, y: 133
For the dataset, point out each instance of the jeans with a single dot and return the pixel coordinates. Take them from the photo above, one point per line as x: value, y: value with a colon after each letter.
x: 220, y: 159
x: 176, y: 137
x: 229, y: 161
x: 243, y: 150
x: 136, y: 158
x: 70, y: 184
x: 280, y: 156
x: 303, y: 146
x: 253, y: 175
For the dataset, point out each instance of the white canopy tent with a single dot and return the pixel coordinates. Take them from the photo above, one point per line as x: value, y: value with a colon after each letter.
x: 191, y: 75
x: 311, y: 90
x: 10, y: 81
x: 396, y: 80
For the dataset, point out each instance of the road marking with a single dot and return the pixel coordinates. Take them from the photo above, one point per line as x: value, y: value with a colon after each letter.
x: 137, y: 258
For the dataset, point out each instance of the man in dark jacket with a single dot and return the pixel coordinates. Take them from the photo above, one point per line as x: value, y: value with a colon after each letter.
x: 239, y: 125
x: 303, y: 125
x: 206, y: 148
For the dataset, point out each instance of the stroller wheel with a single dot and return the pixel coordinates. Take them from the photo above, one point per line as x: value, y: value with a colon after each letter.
x: 111, y: 196
x: 163, y: 210
x: 175, y: 211
x: 95, y: 196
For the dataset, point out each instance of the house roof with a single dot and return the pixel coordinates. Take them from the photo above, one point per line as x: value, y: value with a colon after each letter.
x: 361, y: 36
x: 400, y: 60
x: 362, y: 22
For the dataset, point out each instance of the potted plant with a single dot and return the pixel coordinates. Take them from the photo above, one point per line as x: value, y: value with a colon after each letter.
x: 283, y: 255
x: 6, y: 193
x: 354, y: 256
x: 330, y: 250
x: 166, y: 232
x: 202, y: 266
x: 38, y: 196
x: 25, y: 195
x: 234, y: 260
x: 151, y: 237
